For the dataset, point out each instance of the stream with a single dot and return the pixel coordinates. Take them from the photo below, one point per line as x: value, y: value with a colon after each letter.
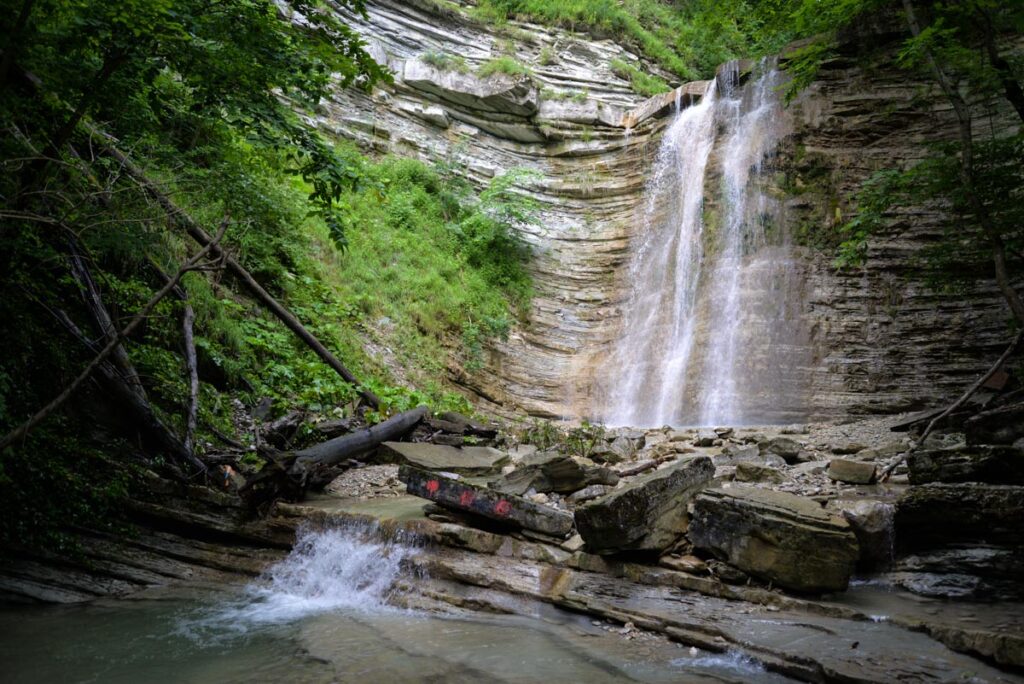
x: 330, y: 613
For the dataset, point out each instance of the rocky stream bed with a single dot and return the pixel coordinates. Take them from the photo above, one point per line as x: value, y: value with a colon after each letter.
x: 773, y: 545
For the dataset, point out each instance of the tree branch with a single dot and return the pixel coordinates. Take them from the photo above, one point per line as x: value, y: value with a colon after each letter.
x: 23, y: 429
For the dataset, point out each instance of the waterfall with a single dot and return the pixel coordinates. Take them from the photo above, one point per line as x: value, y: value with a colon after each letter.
x: 711, y: 333
x: 351, y: 568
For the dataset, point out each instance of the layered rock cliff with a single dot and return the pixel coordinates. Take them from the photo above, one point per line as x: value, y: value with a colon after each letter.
x: 879, y: 339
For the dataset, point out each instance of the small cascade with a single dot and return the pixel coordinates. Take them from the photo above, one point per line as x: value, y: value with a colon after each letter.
x: 711, y: 332
x: 352, y: 568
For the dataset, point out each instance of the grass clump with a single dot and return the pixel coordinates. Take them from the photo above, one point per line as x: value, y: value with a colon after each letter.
x: 642, y: 83
x: 503, y: 65
x: 445, y: 62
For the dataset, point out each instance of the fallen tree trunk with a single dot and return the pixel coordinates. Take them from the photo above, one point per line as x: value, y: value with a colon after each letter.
x: 334, y: 451
x: 289, y: 475
x: 196, y: 232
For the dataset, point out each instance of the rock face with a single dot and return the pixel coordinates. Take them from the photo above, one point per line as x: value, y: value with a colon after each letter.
x: 880, y: 341
x: 782, y: 538
x: 503, y: 508
x: 1003, y: 425
x: 464, y: 460
x: 648, y: 514
x: 993, y: 464
x: 938, y: 514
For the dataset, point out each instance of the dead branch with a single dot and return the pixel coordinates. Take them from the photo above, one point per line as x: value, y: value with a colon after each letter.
x: 199, y: 235
x: 116, y: 339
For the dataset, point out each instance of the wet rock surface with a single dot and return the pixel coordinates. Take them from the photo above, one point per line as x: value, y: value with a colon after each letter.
x: 785, y: 539
x: 647, y: 514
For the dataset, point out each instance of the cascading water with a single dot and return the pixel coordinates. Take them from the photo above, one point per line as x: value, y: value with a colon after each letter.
x: 712, y: 332
x: 351, y: 569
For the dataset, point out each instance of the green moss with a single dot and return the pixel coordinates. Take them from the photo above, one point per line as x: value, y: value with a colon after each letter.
x: 445, y: 62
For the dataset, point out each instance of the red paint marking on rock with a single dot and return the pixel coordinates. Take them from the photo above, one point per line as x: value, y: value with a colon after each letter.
x: 503, y: 508
x: 466, y: 498
x: 433, y: 486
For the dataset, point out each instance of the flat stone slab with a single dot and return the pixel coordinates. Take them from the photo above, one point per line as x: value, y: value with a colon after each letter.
x: 782, y: 538
x: 462, y: 460
x: 851, y: 472
x: 648, y: 513
x: 488, y: 503
x: 992, y: 464
x: 935, y: 515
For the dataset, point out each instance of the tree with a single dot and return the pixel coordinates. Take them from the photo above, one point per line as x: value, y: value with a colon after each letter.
x: 979, y: 177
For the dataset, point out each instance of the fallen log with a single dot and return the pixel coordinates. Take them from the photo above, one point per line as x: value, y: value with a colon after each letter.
x: 334, y: 451
x: 504, y: 508
x: 289, y: 475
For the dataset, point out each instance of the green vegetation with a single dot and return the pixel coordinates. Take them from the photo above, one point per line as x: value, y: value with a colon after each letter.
x: 688, y: 39
x: 503, y: 65
x: 643, y: 83
x: 445, y: 61
x: 547, y: 56
x: 392, y: 264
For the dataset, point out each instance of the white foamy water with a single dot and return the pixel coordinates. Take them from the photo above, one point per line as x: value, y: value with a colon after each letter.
x: 712, y: 332
x: 346, y: 569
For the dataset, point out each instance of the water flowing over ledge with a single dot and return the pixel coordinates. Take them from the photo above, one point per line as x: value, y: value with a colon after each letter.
x: 713, y: 333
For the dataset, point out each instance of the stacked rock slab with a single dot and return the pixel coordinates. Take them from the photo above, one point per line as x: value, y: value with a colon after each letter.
x: 649, y: 514
x: 995, y: 464
x: 464, y: 460
x: 785, y: 539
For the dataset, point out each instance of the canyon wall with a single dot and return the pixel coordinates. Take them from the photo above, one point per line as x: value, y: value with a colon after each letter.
x: 879, y: 339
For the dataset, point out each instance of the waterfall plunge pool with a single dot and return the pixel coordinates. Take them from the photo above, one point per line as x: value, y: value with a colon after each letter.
x: 329, y: 613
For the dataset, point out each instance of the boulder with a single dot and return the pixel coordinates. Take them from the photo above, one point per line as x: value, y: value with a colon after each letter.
x: 754, y: 472
x: 470, y: 498
x: 789, y: 449
x: 464, y: 461
x: 852, y: 472
x: 738, y: 453
x: 785, y: 539
x: 934, y: 515
x: 647, y: 514
x: 587, y: 493
x: 550, y: 471
x: 847, y: 448
x: 704, y: 438
x: 872, y: 523
x: 992, y: 464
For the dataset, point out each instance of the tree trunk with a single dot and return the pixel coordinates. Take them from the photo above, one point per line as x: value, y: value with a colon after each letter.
x: 334, y: 451
x: 290, y: 475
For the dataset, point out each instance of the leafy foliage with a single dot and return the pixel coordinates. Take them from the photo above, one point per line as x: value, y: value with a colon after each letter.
x: 688, y: 39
